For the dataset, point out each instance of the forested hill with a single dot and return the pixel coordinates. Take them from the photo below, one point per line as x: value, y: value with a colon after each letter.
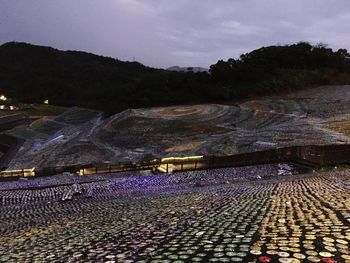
x: 32, y: 74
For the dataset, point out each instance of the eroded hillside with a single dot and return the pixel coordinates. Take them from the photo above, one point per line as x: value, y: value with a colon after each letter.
x: 81, y: 136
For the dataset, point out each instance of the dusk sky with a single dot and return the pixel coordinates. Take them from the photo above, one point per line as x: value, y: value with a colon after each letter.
x: 163, y: 33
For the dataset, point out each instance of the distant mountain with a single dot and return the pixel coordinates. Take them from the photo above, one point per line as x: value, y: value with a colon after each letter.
x: 188, y: 69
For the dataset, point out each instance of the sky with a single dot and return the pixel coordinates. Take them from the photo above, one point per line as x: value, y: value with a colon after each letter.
x: 164, y: 33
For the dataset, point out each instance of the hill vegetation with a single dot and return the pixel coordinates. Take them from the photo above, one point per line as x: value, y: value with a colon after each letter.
x: 32, y: 74
x: 187, y: 69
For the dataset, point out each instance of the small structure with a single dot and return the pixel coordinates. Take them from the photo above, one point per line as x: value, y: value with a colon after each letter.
x: 18, y: 173
x: 173, y: 164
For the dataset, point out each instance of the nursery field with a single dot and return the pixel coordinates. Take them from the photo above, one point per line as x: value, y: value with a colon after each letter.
x: 249, y: 214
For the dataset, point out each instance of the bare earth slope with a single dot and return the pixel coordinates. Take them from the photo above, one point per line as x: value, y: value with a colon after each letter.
x: 82, y: 136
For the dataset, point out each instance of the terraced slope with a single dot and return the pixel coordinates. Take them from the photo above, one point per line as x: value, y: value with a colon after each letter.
x: 83, y: 136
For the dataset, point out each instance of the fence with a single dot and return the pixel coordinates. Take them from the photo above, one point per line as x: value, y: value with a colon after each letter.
x: 148, y: 165
x: 18, y: 173
x: 312, y: 156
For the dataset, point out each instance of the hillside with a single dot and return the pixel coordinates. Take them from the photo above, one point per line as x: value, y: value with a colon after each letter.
x: 188, y: 69
x: 33, y: 74
x: 81, y: 136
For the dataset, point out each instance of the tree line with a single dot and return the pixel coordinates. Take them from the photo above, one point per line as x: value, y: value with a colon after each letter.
x: 32, y: 74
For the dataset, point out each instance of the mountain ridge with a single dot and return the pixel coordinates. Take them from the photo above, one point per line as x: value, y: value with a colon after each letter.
x: 188, y: 69
x: 34, y: 74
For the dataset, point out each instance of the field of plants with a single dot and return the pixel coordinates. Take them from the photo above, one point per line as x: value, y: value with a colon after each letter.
x: 227, y: 215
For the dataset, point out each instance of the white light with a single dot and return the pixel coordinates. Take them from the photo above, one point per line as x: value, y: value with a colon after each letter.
x: 3, y: 98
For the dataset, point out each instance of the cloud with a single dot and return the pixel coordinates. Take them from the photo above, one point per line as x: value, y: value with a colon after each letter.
x: 330, y: 29
x: 182, y: 32
x: 236, y: 28
x: 136, y: 7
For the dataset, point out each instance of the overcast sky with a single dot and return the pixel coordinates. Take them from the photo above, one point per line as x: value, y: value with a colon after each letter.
x: 164, y: 33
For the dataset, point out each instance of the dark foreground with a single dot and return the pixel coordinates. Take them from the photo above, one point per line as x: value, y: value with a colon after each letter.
x: 214, y: 216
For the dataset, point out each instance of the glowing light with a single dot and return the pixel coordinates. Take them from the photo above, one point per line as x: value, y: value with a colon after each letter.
x: 29, y: 172
x: 56, y: 138
x: 18, y: 173
x: 187, y: 158
x: 161, y: 169
x: 46, y: 102
x: 3, y: 98
x: 167, y: 165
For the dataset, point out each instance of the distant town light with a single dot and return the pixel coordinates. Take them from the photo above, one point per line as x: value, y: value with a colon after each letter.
x: 3, y: 98
x: 46, y: 102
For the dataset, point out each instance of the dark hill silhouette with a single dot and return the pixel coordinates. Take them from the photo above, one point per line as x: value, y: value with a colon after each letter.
x: 32, y: 74
x: 187, y: 69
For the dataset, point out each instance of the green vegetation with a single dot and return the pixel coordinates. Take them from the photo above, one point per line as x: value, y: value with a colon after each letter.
x: 33, y: 74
